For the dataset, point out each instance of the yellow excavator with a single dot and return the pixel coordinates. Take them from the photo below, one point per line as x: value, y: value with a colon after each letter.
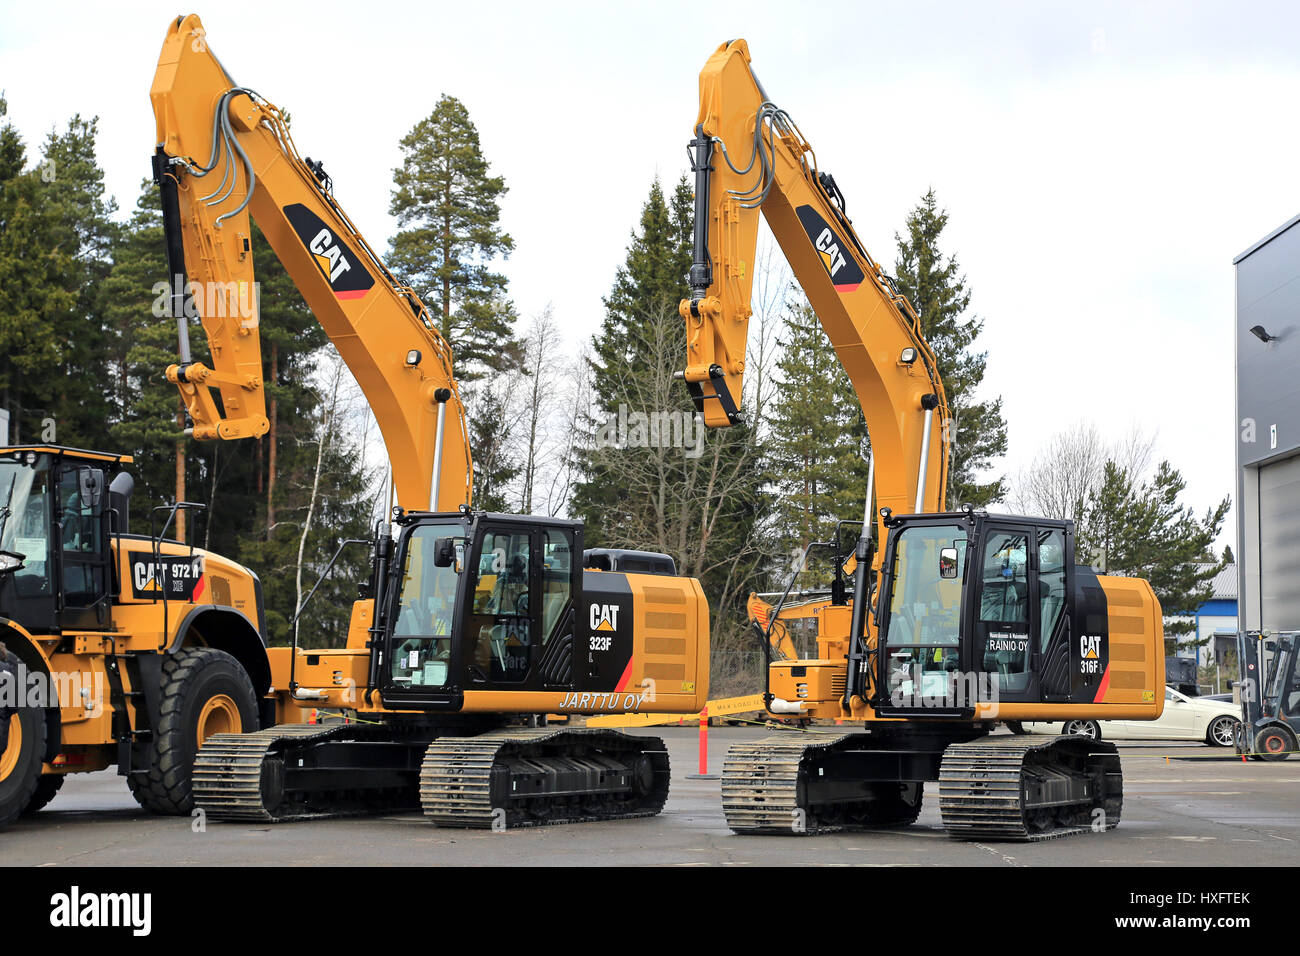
x: 957, y: 620
x: 472, y: 625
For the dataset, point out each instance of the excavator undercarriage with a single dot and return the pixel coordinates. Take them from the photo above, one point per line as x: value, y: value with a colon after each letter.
x: 461, y: 773
x: 990, y: 788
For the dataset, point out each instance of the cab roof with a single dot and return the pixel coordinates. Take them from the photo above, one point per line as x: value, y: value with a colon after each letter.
x: 66, y: 452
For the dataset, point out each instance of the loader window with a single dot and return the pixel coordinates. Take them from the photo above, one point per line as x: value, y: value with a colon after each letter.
x: 25, y: 524
x: 925, y: 615
x: 84, y: 572
x: 422, y: 645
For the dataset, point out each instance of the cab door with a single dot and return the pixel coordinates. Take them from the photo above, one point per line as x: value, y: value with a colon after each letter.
x: 1005, y: 614
x: 520, y: 621
x: 503, y: 620
x: 922, y: 656
x: 81, y: 544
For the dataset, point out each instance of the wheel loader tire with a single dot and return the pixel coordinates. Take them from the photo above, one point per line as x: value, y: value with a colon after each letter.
x: 47, y: 788
x: 204, y: 692
x: 21, y: 757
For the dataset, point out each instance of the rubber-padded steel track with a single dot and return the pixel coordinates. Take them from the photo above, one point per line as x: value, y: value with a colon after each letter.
x: 309, y: 771
x: 241, y: 776
x: 532, y: 777
x: 1004, y: 788
x: 766, y: 789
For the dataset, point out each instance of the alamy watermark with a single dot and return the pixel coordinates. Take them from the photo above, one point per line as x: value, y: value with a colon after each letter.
x: 912, y: 686
x: 236, y: 300
x: 22, y: 688
x: 661, y: 429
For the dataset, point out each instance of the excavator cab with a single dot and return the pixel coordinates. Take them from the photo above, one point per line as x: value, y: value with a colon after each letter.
x: 479, y: 602
x: 981, y: 608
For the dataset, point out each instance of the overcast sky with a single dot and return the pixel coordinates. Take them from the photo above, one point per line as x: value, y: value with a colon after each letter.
x: 1102, y: 163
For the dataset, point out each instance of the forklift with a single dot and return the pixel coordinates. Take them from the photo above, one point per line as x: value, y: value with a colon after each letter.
x: 1269, y: 690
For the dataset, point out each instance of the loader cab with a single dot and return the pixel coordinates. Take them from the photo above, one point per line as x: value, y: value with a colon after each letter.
x: 479, y: 601
x: 976, y: 607
x: 55, y: 538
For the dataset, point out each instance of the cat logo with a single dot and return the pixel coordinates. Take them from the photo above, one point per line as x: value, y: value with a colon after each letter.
x: 339, y: 265
x: 843, y: 269
x: 1089, y: 646
x: 332, y: 262
x: 832, y: 258
x: 604, y: 617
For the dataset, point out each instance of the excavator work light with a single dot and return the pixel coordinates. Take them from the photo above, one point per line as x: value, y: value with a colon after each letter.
x: 908, y: 356
x: 413, y: 358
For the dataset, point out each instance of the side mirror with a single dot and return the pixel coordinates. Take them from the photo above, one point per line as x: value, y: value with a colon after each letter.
x: 449, y: 553
x: 90, y: 487
x: 948, y: 563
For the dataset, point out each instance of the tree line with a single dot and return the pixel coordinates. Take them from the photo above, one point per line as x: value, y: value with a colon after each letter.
x: 597, y: 430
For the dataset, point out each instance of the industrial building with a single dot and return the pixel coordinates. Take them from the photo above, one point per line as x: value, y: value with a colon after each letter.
x: 1268, y: 430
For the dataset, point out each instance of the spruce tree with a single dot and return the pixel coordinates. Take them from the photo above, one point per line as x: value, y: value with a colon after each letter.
x: 81, y: 211
x: 816, y: 437
x: 696, y: 494
x: 131, y: 295
x: 932, y: 282
x: 38, y: 288
x: 491, y: 435
x: 448, y: 208
x: 1142, y: 529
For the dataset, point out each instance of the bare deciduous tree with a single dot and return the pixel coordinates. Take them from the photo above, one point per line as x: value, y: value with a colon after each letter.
x: 694, y: 499
x: 332, y: 413
x: 769, y: 299
x: 573, y: 409
x: 1070, y: 468
x: 541, y: 347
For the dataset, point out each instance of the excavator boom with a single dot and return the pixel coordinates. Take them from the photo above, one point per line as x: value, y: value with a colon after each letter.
x: 223, y: 153
x: 749, y: 157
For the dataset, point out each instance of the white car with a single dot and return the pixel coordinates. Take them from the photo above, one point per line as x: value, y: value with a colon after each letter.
x: 1184, y: 718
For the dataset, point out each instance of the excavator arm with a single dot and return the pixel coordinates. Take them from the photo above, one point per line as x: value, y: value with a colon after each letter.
x: 748, y: 157
x: 225, y: 153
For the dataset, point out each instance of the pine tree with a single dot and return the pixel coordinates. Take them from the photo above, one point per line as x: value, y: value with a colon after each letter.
x: 448, y: 207
x: 647, y: 286
x: 934, y: 285
x: 816, y: 437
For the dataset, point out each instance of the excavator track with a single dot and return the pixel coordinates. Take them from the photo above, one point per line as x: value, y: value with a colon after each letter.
x: 511, y: 778
x: 253, y: 776
x: 998, y: 788
x: 778, y: 786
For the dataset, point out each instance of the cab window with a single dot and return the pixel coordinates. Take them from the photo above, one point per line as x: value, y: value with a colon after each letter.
x: 1002, y: 618
x: 422, y: 641
x: 557, y: 578
x: 502, y: 626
